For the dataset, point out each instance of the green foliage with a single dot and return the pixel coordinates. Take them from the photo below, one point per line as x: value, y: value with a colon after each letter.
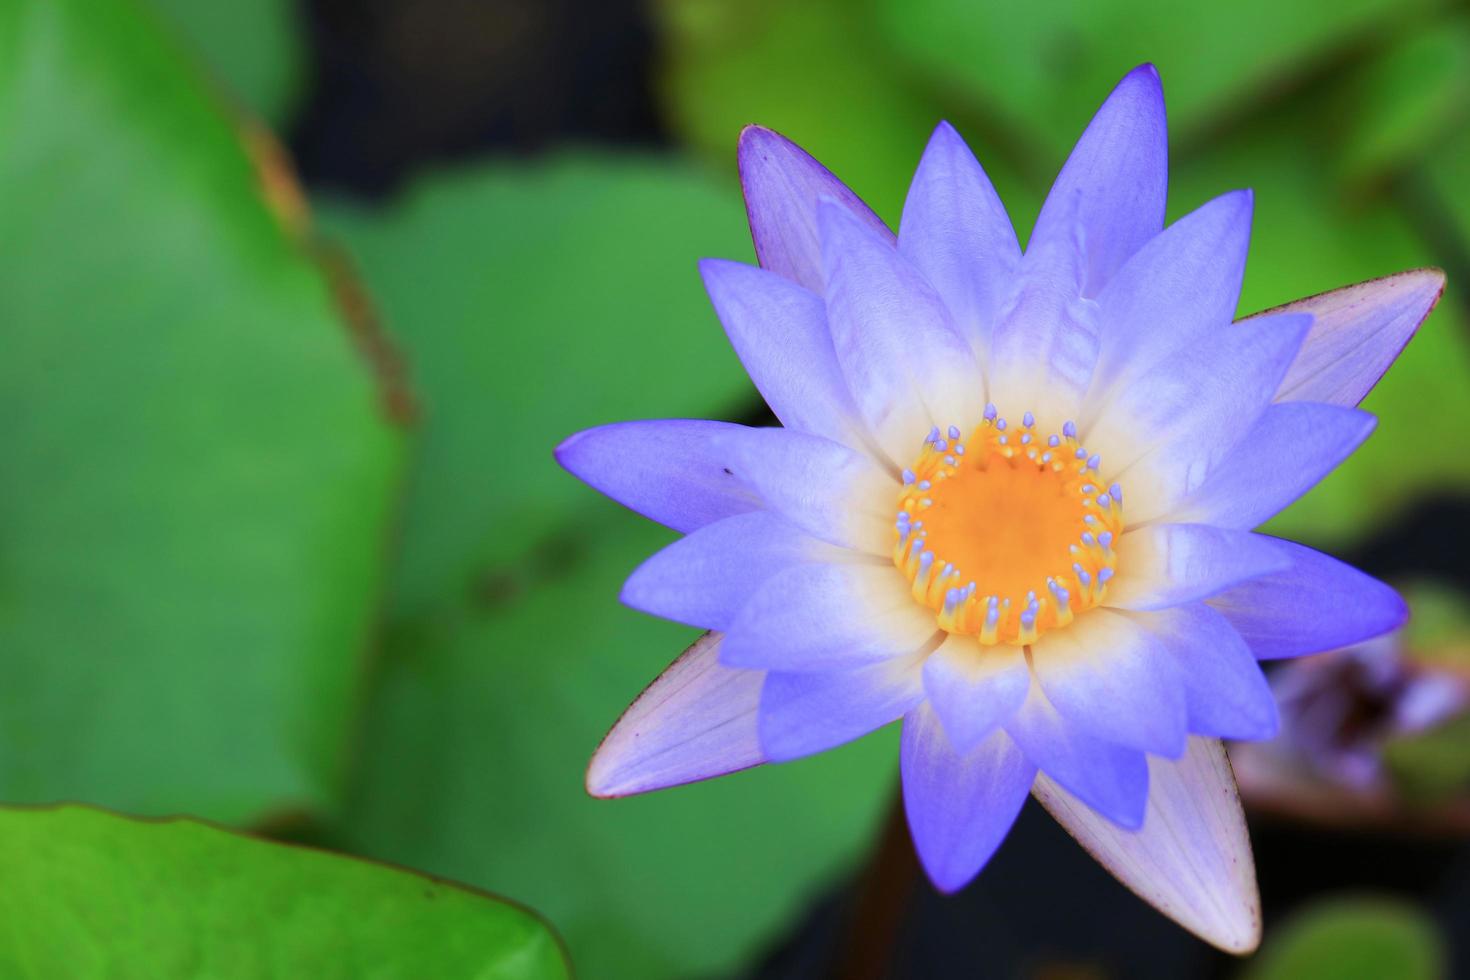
x: 1352, y: 938
x: 89, y: 894
x: 198, y: 478
x: 516, y: 295
x: 255, y: 47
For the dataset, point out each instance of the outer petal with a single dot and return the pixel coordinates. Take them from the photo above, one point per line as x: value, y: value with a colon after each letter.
x: 780, y: 332
x: 802, y: 714
x: 1224, y: 689
x: 1317, y: 603
x: 1291, y: 448
x: 704, y: 579
x: 1192, y: 858
x: 957, y: 233
x: 782, y: 185
x: 1162, y: 434
x: 669, y: 470
x: 828, y: 617
x: 1183, y: 283
x: 974, y: 690
x: 1357, y: 331
x: 1109, y: 778
x: 1168, y: 564
x: 1113, y: 185
x: 697, y: 720
x: 906, y: 365
x: 959, y: 806
x: 1112, y: 679
x: 826, y: 489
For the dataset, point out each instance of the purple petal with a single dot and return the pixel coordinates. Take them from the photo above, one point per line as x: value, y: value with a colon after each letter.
x: 802, y: 714
x: 697, y: 720
x: 780, y: 332
x: 1163, y: 565
x: 1291, y: 448
x: 1163, y: 433
x: 826, y: 489
x: 1112, y: 679
x: 1226, y: 694
x: 704, y: 579
x: 974, y: 689
x: 960, y: 806
x: 1317, y: 603
x: 782, y: 186
x: 906, y: 365
x: 1192, y: 858
x: 1109, y: 778
x: 1180, y: 286
x: 824, y: 617
x: 1110, y: 193
x: 668, y: 470
x: 1357, y: 331
x: 957, y: 234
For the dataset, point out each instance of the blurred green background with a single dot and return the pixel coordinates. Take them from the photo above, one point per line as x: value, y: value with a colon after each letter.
x: 298, y: 297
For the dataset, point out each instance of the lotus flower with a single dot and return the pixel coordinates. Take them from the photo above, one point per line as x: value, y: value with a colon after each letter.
x: 1010, y: 503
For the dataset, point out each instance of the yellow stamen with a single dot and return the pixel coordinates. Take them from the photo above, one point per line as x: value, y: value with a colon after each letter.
x: 1007, y: 534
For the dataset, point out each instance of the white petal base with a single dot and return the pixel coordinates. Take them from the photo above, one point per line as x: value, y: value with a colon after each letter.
x: 1191, y: 860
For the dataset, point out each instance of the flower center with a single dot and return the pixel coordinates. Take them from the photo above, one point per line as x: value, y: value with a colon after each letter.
x: 1008, y: 533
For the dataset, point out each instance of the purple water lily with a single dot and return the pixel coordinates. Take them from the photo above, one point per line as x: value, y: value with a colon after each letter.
x: 1010, y: 503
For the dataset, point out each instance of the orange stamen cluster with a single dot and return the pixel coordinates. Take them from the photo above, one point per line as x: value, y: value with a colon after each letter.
x: 1007, y: 534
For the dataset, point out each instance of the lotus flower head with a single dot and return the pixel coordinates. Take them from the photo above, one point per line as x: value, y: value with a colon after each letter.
x: 1010, y: 502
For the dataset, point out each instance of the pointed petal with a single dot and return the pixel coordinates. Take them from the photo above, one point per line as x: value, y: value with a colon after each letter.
x: 1357, y: 331
x: 668, y: 470
x: 906, y: 365
x: 974, y: 690
x: 696, y: 721
x: 779, y: 330
x: 959, y: 806
x: 1109, y: 778
x: 802, y: 714
x: 1192, y: 858
x: 705, y: 578
x: 1110, y: 193
x: 1162, y: 434
x: 1291, y: 448
x: 1168, y: 564
x: 957, y: 234
x: 1182, y: 284
x: 1316, y: 603
x: 831, y: 492
x: 1113, y: 680
x: 828, y: 617
x: 1224, y: 689
x: 782, y: 185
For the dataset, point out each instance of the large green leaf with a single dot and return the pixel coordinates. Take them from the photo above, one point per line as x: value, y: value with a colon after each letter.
x: 1352, y: 938
x: 197, y: 475
x: 255, y: 47
x: 89, y: 894
x: 533, y: 301
x: 1044, y: 67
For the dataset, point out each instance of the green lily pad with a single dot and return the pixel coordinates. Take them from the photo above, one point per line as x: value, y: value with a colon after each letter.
x: 198, y: 474
x: 255, y: 48
x: 1043, y: 68
x: 90, y: 894
x: 1352, y: 938
x: 532, y: 301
